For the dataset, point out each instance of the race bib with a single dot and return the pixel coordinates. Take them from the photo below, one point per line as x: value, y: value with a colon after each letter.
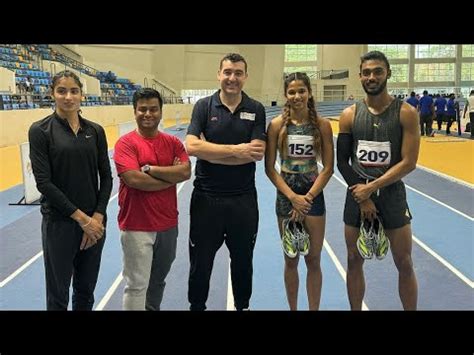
x: 301, y: 146
x: 371, y: 153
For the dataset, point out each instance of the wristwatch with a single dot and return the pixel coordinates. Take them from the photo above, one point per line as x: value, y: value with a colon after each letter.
x: 146, y: 168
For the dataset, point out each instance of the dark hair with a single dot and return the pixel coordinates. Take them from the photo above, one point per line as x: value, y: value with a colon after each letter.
x: 412, y: 94
x: 312, y: 113
x: 65, y: 74
x: 374, y: 55
x: 146, y: 93
x: 234, y: 58
x: 425, y: 92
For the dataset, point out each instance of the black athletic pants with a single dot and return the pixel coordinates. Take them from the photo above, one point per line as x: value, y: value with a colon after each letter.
x: 471, y: 120
x: 215, y: 220
x: 426, y: 120
x: 63, y: 260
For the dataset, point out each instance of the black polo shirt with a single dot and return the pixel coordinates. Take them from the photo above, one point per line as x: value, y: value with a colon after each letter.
x: 220, y: 126
x: 67, y: 167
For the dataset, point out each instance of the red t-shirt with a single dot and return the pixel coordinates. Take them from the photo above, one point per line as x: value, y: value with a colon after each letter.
x: 150, y: 211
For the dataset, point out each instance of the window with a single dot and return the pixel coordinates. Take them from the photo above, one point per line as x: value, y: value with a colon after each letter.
x: 301, y: 57
x: 468, y: 50
x: 435, y: 51
x: 399, y: 73
x: 334, y: 92
x: 434, y: 72
x: 391, y: 50
x: 300, y: 53
x: 467, y: 72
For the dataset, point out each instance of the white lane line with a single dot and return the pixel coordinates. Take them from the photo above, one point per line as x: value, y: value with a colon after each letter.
x: 426, y: 247
x: 339, y: 267
x: 20, y: 269
x: 108, y: 295
x: 440, y: 203
x: 110, y: 292
x: 444, y: 262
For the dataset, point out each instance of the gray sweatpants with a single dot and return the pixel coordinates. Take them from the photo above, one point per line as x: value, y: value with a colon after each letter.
x: 147, y: 259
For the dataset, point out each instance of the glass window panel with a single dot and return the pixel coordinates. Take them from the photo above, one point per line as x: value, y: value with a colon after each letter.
x: 300, y: 53
x: 434, y: 72
x: 467, y: 71
x: 468, y: 50
x: 391, y: 50
x: 399, y: 73
x: 435, y: 51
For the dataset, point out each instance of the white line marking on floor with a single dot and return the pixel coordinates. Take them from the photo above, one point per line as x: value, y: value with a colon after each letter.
x: 444, y: 262
x: 440, y: 203
x: 20, y: 269
x: 109, y: 293
x: 339, y: 267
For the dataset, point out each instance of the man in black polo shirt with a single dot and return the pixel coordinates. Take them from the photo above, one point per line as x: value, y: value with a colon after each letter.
x: 227, y: 134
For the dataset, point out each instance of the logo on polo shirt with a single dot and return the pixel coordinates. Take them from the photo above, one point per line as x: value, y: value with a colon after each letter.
x: 247, y: 116
x: 214, y: 118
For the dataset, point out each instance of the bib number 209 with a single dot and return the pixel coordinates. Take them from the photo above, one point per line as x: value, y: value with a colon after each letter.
x: 372, y: 153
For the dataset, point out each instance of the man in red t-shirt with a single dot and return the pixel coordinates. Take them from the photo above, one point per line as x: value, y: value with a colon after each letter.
x: 149, y: 163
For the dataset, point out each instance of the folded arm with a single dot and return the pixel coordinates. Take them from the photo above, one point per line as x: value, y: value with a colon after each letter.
x: 227, y: 154
x: 144, y: 182
x: 173, y: 174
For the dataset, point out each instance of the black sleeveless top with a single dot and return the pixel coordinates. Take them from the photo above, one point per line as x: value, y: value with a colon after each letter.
x: 371, y: 160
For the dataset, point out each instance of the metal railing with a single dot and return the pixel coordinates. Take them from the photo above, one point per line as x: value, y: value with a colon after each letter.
x: 326, y: 74
x: 23, y: 101
x: 74, y: 64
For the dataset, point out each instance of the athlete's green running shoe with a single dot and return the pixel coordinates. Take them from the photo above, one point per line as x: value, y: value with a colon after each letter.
x: 302, y: 238
x: 382, y: 243
x: 366, y: 241
x: 288, y: 241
